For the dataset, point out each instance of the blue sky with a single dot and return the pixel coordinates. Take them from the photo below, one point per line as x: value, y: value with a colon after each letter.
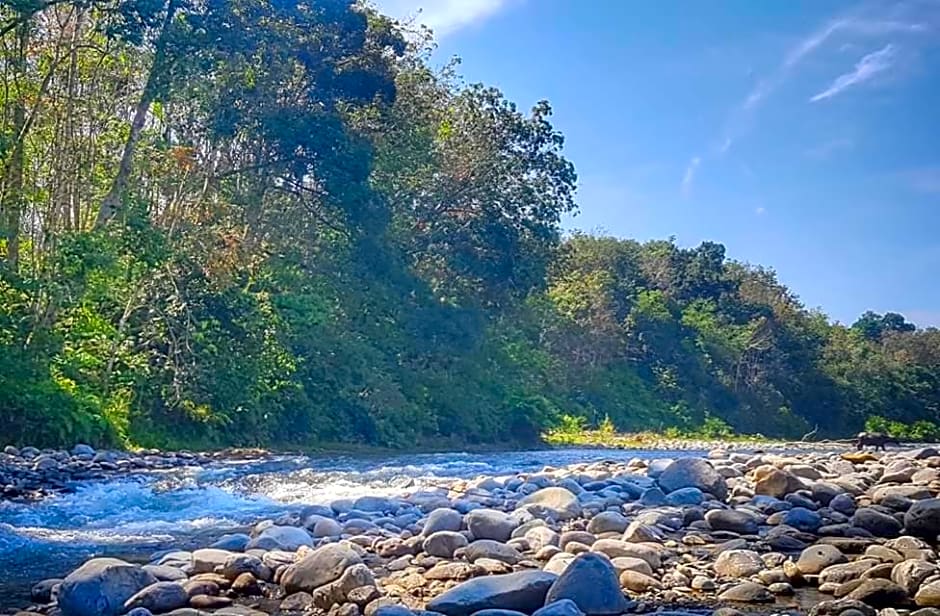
x: 803, y: 135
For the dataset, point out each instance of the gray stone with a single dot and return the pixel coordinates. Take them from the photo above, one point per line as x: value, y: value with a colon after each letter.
x: 731, y: 520
x: 738, y: 563
x: 685, y: 496
x: 523, y: 591
x: 491, y: 524
x: 159, y: 597
x: 607, y: 522
x: 590, y: 580
x: 694, y: 473
x: 320, y: 567
x: 100, y: 587
x: 444, y: 543
x: 554, y: 503
x: 287, y: 538
x: 910, y: 574
x: 236, y: 542
x: 877, y: 523
x: 817, y: 557
x: 879, y: 593
x: 748, y: 592
x: 803, y: 519
x: 923, y: 519
x: 487, y: 548
x: 442, y: 518
x: 562, y: 607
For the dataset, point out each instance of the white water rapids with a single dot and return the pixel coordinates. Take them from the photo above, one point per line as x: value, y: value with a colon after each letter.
x: 188, y: 507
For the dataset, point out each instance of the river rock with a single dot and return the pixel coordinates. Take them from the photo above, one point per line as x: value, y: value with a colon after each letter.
x: 910, y: 574
x: 928, y: 595
x: 732, y: 520
x: 100, y: 587
x: 442, y: 519
x: 590, y: 580
x: 287, y: 538
x: 562, y: 607
x: 738, y: 563
x: 748, y: 592
x: 802, y: 519
x: 487, y: 548
x: 444, y: 543
x: 322, y: 566
x: 159, y: 597
x: 877, y: 523
x: 554, y: 503
x: 772, y: 481
x: 326, y: 527
x: 235, y: 542
x: 41, y: 592
x: 923, y: 519
x: 817, y: 557
x: 879, y: 593
x: 207, y: 559
x: 639, y: 582
x: 694, y: 473
x: 523, y: 591
x: 607, y: 522
x: 490, y: 524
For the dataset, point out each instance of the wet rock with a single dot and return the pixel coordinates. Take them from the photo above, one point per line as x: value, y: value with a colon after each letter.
x: 524, y: 591
x: 693, y: 473
x: 591, y: 582
x: 100, y: 587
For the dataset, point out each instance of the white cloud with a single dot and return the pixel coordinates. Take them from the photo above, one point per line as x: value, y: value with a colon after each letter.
x: 866, y: 68
x: 442, y: 16
x: 689, y: 175
x: 760, y: 211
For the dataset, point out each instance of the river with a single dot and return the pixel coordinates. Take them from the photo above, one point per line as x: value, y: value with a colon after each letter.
x: 136, y: 515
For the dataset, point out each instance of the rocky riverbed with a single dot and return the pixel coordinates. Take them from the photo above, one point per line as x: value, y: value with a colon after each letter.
x: 827, y: 533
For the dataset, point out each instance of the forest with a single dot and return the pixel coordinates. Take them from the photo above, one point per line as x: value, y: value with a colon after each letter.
x: 275, y: 223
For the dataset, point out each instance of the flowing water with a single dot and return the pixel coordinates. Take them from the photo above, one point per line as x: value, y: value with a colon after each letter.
x: 136, y: 515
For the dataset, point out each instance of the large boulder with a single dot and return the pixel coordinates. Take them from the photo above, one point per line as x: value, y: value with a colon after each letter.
x: 523, y: 591
x: 694, y: 473
x: 591, y: 582
x: 491, y: 524
x: 320, y: 567
x: 923, y: 519
x: 101, y: 587
x: 554, y: 503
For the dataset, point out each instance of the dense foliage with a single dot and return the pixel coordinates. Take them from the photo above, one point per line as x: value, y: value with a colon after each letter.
x: 270, y: 222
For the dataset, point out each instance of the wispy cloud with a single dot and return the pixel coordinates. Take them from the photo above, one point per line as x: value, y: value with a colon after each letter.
x: 760, y: 211
x: 865, y: 69
x: 827, y: 149
x: 444, y: 17
x: 689, y: 175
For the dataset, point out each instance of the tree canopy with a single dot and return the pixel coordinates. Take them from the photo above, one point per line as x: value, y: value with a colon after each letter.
x: 259, y: 222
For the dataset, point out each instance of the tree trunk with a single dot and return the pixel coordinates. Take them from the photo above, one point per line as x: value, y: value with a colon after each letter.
x: 13, y: 195
x: 113, y: 202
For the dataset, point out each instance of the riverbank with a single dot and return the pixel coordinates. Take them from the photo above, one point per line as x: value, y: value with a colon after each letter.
x: 801, y: 532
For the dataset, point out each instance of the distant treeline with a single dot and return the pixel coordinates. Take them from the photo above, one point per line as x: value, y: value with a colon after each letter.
x: 252, y: 223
